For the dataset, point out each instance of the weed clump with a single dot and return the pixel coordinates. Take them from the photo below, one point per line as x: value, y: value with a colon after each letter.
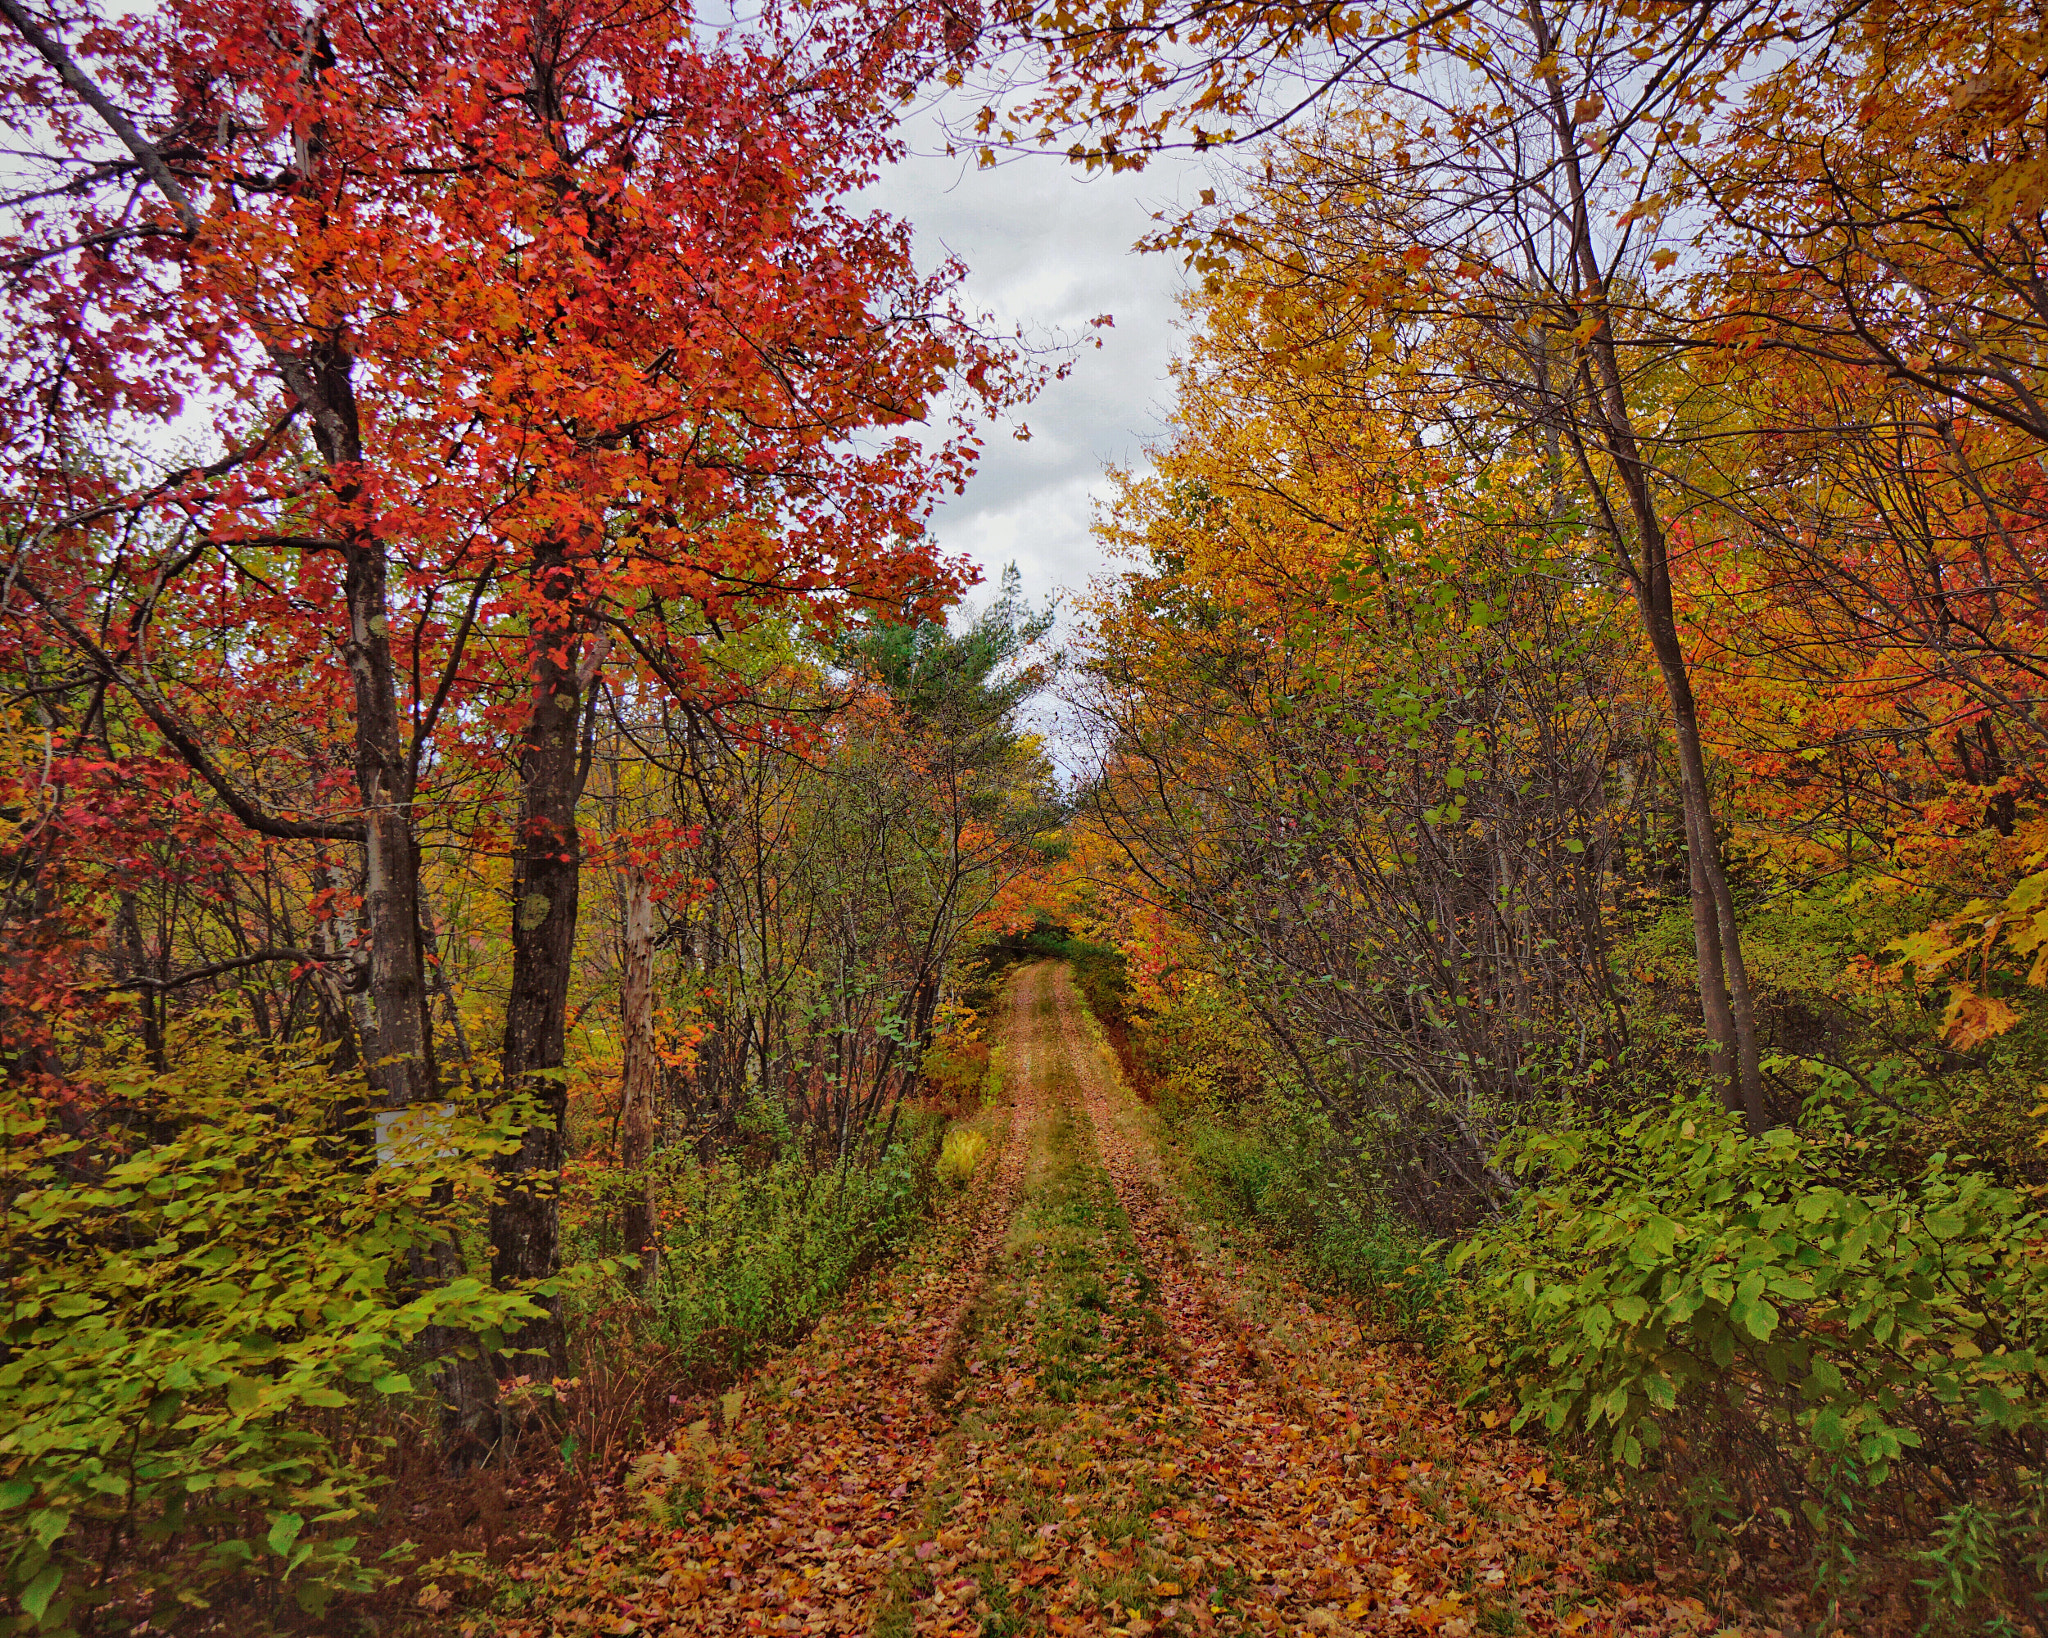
x: 960, y: 1154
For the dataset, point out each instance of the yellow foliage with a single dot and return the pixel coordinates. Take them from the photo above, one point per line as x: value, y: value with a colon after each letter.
x: 961, y: 1153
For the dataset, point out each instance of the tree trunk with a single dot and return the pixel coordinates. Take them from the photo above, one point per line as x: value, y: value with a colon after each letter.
x: 641, y: 1080
x: 546, y: 879
x: 924, y: 1009
x: 128, y: 919
x: 398, y: 1043
x: 392, y: 1016
x: 1725, y: 1003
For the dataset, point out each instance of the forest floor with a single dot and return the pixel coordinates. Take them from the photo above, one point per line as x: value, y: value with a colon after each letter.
x: 1079, y: 1407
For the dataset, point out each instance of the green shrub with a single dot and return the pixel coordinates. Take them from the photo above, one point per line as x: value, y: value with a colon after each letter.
x: 200, y: 1306
x: 1284, y: 1168
x: 1245, y: 1165
x: 1674, y: 1272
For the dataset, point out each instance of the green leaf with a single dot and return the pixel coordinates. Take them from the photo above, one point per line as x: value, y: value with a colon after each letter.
x: 284, y: 1530
x: 1754, y: 1315
x: 13, y: 1492
x: 47, y: 1524
x: 35, y: 1597
x: 1682, y: 1304
x: 396, y: 1382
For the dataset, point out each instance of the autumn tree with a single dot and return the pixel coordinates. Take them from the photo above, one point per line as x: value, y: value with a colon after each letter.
x: 1356, y: 725
x: 531, y: 340
x: 1871, y: 211
x: 962, y: 811
x: 1481, y: 193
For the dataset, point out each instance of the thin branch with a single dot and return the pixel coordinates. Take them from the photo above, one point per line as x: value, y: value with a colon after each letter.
x: 145, y: 152
x: 212, y: 969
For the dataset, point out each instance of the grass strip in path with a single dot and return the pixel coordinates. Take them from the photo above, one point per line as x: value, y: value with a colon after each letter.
x: 1347, y: 1494
x: 1067, y: 1441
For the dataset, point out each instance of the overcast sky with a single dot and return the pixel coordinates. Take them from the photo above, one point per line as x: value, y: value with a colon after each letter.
x: 1051, y: 249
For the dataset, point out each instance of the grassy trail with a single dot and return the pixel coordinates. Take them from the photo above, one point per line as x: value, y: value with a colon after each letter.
x: 1077, y: 1408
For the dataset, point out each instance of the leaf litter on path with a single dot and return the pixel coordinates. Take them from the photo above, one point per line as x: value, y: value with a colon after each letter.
x: 1074, y: 1409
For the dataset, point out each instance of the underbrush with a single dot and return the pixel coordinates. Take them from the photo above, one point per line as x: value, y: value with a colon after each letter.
x: 1204, y: 1061
x: 957, y: 1069
x: 1814, y: 1361
x: 1281, y: 1168
x: 226, y: 1322
x: 1799, y: 1350
x: 755, y: 1248
x: 753, y: 1251
x: 216, y: 1312
x: 1819, y: 1356
x: 1274, y: 1161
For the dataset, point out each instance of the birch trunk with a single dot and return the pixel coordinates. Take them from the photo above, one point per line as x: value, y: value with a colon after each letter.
x: 641, y: 1081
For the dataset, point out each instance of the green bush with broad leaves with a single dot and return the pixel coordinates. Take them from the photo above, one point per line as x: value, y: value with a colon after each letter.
x: 1874, y: 1320
x: 206, y: 1301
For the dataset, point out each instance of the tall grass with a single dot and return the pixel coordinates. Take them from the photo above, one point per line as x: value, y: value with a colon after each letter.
x: 754, y: 1250
x: 1285, y: 1174
x: 961, y: 1153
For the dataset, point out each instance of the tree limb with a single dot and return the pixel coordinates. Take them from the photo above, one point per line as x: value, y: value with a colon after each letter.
x: 213, y: 969
x: 145, y: 152
x: 183, y: 739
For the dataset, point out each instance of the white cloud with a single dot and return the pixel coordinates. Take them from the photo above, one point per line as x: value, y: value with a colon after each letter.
x: 1050, y: 248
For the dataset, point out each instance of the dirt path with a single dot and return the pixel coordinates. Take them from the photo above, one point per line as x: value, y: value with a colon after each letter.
x: 787, y: 1510
x: 1076, y: 1409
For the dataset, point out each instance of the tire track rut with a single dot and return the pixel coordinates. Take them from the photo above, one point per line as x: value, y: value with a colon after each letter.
x: 1078, y: 1407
